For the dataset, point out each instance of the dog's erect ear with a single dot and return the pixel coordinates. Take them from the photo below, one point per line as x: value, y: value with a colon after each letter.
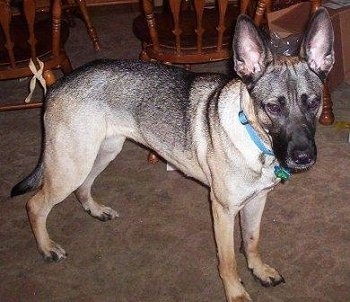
x: 317, y: 47
x: 250, y: 54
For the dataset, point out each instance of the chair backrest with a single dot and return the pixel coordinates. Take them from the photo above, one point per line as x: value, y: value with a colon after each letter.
x: 187, y: 32
x: 27, y: 33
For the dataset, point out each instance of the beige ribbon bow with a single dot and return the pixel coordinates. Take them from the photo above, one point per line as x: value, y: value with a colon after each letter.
x: 37, y: 75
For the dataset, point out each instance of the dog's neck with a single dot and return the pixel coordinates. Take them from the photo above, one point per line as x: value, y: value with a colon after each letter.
x: 249, y: 111
x: 253, y: 134
x: 258, y: 135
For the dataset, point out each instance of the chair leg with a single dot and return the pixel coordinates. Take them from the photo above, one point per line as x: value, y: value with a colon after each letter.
x: 261, y: 8
x: 152, y: 157
x: 244, y: 6
x: 143, y: 56
x: 66, y: 66
x: 49, y: 77
x: 91, y: 29
x: 327, y: 116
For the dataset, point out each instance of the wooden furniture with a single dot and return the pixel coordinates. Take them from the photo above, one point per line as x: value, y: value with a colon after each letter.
x: 261, y: 7
x: 27, y: 35
x: 88, y: 23
x: 109, y: 2
x: 186, y: 32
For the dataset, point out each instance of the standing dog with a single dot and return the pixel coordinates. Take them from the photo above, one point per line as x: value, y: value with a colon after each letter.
x: 239, y: 137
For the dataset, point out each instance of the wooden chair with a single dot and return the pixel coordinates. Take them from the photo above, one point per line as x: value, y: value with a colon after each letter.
x: 260, y: 8
x: 29, y: 34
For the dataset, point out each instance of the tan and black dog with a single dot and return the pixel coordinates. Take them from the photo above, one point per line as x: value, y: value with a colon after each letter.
x: 238, y: 137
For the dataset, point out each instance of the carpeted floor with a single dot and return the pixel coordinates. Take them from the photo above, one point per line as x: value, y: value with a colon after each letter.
x: 162, y: 246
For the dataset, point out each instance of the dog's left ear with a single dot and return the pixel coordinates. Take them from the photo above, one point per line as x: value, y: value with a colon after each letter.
x: 317, y: 47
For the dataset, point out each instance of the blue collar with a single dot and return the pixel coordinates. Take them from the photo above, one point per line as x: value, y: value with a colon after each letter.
x: 253, y: 135
x: 282, y: 173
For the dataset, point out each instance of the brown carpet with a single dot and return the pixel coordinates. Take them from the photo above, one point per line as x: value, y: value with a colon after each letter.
x: 162, y: 246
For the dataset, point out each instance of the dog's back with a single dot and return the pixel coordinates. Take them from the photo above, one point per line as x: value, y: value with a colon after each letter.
x: 150, y: 103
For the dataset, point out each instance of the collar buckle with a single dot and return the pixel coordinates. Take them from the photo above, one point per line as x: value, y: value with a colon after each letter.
x: 242, y: 118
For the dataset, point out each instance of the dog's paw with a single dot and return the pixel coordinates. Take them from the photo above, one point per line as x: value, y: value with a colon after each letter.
x: 53, y: 253
x: 241, y: 298
x: 102, y: 212
x: 237, y: 293
x: 267, y: 275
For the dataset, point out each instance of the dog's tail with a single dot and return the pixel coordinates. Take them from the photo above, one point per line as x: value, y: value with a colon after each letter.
x: 30, y: 183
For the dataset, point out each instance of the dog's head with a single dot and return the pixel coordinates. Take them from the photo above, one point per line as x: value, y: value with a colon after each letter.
x: 286, y: 92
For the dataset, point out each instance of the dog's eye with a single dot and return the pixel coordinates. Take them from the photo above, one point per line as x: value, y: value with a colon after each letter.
x: 313, y: 104
x: 273, y: 108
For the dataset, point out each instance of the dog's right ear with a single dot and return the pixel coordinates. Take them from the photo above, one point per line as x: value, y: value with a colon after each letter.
x: 250, y: 53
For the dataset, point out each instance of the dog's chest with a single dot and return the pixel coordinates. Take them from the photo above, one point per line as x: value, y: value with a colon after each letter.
x: 257, y: 183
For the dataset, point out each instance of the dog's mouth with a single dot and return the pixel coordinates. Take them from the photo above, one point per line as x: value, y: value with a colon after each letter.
x: 297, y: 167
x: 297, y: 158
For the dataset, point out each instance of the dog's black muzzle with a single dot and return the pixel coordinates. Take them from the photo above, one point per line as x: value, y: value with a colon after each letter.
x: 296, y: 151
x: 301, y: 158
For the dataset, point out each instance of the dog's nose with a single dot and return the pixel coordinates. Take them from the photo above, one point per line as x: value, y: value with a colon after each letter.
x: 302, y: 157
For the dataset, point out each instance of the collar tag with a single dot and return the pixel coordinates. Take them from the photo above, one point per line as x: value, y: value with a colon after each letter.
x: 282, y: 173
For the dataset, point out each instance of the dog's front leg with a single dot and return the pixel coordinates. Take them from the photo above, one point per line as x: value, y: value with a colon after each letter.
x: 223, y: 228
x: 250, y: 223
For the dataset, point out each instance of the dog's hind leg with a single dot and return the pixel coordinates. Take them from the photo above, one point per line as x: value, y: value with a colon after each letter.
x: 38, y: 208
x: 250, y: 223
x: 56, y: 187
x: 68, y: 160
x: 108, y: 151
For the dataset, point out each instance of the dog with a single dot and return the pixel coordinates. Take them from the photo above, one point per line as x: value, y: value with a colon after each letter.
x: 240, y: 137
